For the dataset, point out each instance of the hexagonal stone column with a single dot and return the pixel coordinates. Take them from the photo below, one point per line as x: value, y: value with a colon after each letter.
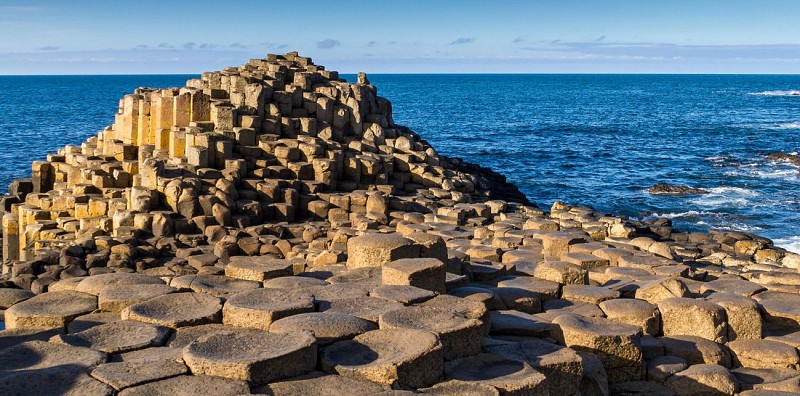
x: 425, y: 273
x: 510, y: 377
x: 616, y: 344
x: 633, y: 312
x: 687, y: 316
x: 50, y: 310
x: 259, y: 308
x: 396, y: 357
x: 117, y: 337
x: 460, y: 335
x: 257, y: 268
x: 252, y: 355
x: 97, y: 283
x: 327, y: 327
x: 375, y: 250
x: 177, y: 310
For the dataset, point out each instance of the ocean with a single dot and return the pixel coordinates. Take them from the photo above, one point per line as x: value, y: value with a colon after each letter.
x: 597, y: 140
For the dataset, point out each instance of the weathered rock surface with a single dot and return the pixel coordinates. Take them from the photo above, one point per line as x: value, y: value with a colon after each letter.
x: 259, y: 308
x: 668, y: 189
x: 617, y: 345
x: 117, y: 337
x: 327, y: 327
x: 251, y: 355
x: 510, y: 377
x: 395, y: 357
x: 177, y: 310
x: 49, y: 310
x: 190, y: 385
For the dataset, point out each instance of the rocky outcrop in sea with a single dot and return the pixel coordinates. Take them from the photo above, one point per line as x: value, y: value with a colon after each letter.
x: 269, y: 229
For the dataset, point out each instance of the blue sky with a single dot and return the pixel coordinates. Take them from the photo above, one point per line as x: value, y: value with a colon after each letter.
x: 379, y: 36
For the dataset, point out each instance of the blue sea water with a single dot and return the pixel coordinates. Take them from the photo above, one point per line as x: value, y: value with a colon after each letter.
x: 599, y: 140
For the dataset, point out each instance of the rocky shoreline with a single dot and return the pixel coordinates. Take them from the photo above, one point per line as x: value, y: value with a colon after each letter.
x: 269, y: 229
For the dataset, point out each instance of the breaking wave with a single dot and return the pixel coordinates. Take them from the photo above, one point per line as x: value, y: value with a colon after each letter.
x: 793, y: 92
x: 791, y: 243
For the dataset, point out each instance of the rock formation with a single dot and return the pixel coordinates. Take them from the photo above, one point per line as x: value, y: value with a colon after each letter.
x: 269, y: 229
x: 668, y: 189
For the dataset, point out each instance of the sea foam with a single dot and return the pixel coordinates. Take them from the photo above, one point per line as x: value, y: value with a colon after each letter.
x: 791, y: 243
x: 793, y: 92
x: 789, y: 125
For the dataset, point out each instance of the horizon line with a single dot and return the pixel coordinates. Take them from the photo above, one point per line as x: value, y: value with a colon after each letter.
x: 431, y: 73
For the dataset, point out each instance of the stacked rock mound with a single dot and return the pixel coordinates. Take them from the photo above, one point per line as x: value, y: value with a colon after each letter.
x: 269, y: 229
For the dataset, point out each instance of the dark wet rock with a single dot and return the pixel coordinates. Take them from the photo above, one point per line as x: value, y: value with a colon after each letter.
x: 669, y: 189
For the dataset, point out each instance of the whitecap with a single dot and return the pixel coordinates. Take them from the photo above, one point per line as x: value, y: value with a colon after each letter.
x: 733, y: 190
x: 741, y: 227
x: 718, y: 158
x: 677, y: 215
x: 793, y: 92
x: 721, y: 197
x: 791, y: 243
x: 782, y: 174
x: 789, y: 125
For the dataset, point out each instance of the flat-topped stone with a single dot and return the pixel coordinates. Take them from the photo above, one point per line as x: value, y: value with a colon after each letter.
x: 320, y: 384
x: 403, y: 294
x: 660, y: 368
x: 696, y: 350
x: 52, y: 381
x: 252, y: 355
x: 763, y: 354
x: 259, y: 308
x: 117, y: 337
x: 86, y: 322
x: 545, y: 288
x: 616, y: 344
x: 177, y: 310
x: 424, y: 273
x: 515, y: 323
x: 687, y: 316
x: 633, y: 312
x: 588, y: 294
x: 9, y: 297
x: 556, y: 244
x: 97, y: 283
x: 49, y: 310
x: 38, y: 355
x: 13, y: 337
x: 369, y: 308
x: 293, y: 282
x: 563, y: 367
x: 460, y: 335
x: 375, y: 250
x: 460, y: 388
x: 735, y: 286
x: 510, y: 377
x: 393, y: 357
x: 150, y: 354
x: 214, y: 285
x: 184, y: 336
x: 257, y: 268
x: 585, y: 260
x: 779, y: 308
x: 518, y: 299
x: 742, y: 313
x: 327, y: 327
x: 710, y: 379
x: 561, y: 272
x: 121, y: 375
x: 115, y: 299
x: 655, y: 291
x: 190, y: 385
